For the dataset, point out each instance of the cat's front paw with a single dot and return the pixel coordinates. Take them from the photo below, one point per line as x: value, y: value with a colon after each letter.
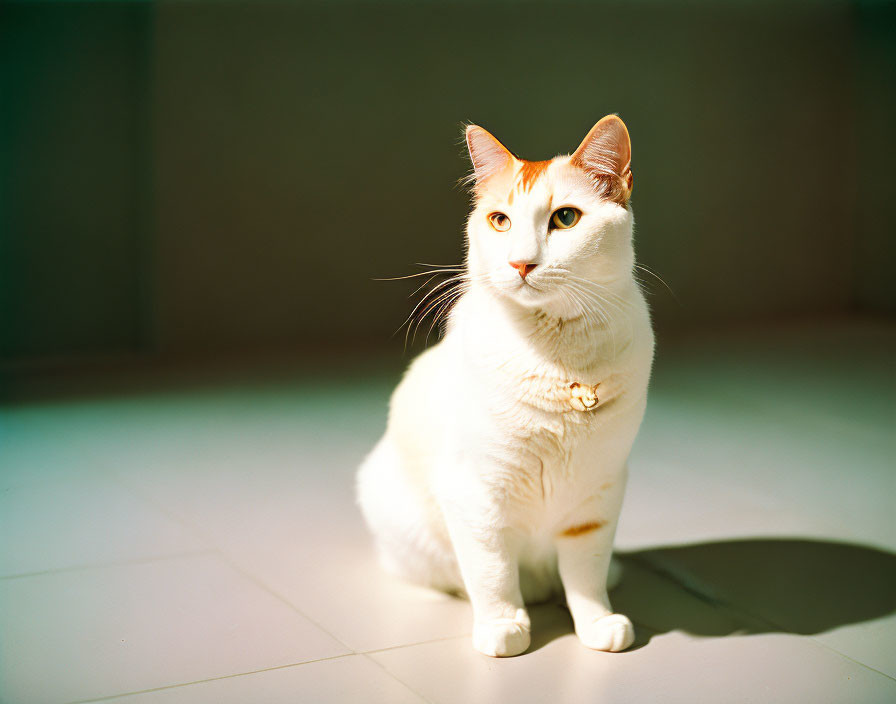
x: 502, y: 637
x: 612, y: 633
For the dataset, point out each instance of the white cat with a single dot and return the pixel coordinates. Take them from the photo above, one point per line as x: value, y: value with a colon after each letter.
x: 503, y: 466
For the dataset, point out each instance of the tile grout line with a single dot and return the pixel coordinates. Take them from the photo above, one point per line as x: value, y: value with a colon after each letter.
x: 219, y: 552
x: 366, y: 654
x: 375, y: 651
x: 262, y: 585
x: 694, y: 591
x: 210, y: 679
x: 108, y: 565
x: 227, y: 559
x: 214, y: 549
x: 847, y: 657
x: 404, y: 684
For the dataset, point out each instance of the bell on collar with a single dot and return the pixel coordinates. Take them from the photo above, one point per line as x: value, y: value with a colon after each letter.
x: 582, y: 396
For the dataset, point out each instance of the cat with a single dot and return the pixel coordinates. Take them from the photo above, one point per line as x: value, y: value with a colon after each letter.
x: 503, y: 466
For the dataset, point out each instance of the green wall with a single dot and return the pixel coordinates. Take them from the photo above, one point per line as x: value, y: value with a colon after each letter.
x: 74, y: 101
x: 874, y: 280
x: 180, y: 177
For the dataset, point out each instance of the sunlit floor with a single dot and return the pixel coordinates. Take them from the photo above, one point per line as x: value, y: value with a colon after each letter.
x: 202, y: 544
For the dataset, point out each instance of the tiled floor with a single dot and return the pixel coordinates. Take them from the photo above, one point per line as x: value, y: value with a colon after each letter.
x: 202, y: 545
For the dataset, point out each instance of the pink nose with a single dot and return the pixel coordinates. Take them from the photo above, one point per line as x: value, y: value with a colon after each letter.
x: 523, y: 267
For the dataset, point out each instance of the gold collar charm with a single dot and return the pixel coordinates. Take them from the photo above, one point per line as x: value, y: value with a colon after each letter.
x: 583, y: 397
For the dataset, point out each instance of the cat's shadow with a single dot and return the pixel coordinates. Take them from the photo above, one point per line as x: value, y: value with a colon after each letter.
x: 739, y: 587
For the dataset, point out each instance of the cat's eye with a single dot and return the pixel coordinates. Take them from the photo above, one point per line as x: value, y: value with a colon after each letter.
x: 499, y: 221
x: 565, y: 218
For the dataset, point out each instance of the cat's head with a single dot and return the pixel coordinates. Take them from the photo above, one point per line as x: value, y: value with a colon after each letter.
x: 544, y: 233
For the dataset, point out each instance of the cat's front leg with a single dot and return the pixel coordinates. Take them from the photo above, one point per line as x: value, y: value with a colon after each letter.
x: 584, y: 550
x: 489, y: 563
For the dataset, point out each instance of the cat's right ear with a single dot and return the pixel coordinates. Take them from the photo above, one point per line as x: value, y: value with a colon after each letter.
x: 488, y: 155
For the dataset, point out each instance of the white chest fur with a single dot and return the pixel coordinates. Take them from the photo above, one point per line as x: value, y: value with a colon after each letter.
x: 521, y: 437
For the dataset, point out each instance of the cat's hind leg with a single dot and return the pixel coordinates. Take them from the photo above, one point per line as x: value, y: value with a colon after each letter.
x: 411, y: 540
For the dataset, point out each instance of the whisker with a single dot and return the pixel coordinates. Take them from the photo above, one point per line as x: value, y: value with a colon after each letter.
x: 435, y: 305
x: 412, y: 276
x: 445, y: 292
x: 595, y: 308
x: 604, y: 289
x: 443, y: 266
x: 429, y: 293
x: 598, y: 292
x: 642, y: 267
x: 442, y: 312
x: 423, y: 285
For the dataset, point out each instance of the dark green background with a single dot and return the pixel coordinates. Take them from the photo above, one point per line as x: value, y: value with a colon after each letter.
x: 183, y: 178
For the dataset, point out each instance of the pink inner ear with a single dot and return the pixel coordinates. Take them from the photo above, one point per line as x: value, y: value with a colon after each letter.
x: 488, y: 155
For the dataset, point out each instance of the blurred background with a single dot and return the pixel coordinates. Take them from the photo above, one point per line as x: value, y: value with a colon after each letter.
x: 210, y: 180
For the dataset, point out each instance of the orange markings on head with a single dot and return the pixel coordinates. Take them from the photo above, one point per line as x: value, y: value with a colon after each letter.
x: 529, y: 173
x: 583, y: 528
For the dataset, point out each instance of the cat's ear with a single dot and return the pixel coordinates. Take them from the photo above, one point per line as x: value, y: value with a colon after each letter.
x: 606, y: 156
x: 488, y: 155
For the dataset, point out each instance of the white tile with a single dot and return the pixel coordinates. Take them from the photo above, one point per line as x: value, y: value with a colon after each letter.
x: 49, y: 441
x: 280, y: 502
x: 353, y: 678
x: 742, y: 445
x: 83, y: 522
x: 308, y: 543
x: 707, y: 459
x: 672, y: 668
x: 667, y: 503
x: 98, y: 632
x: 346, y: 592
x: 872, y: 643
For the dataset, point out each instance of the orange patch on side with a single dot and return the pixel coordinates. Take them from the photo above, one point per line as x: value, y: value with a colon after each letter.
x: 530, y: 171
x: 583, y: 528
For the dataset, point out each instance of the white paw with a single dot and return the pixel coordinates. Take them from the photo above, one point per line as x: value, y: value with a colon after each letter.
x: 502, y: 637
x: 613, y: 632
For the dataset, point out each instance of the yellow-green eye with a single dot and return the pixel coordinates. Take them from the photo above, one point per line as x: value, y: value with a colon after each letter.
x: 565, y: 218
x: 499, y: 221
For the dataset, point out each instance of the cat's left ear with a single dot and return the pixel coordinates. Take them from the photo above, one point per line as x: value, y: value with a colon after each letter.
x: 606, y: 155
x: 488, y: 155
